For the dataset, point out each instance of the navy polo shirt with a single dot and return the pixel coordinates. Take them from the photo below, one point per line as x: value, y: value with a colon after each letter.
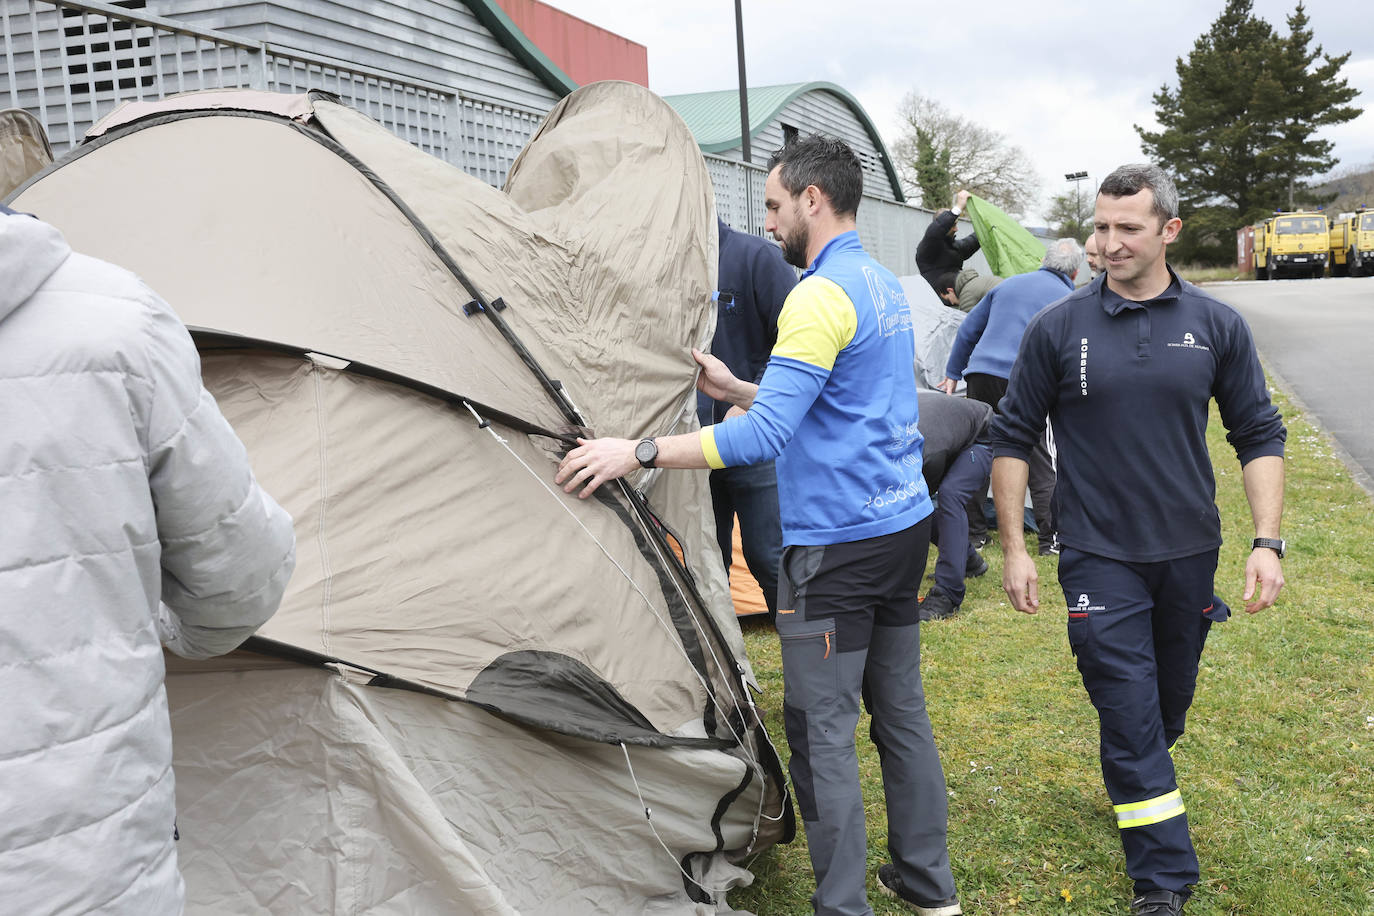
x: 1127, y: 385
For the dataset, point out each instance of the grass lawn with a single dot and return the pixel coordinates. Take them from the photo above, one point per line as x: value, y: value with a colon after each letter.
x: 1277, y: 766
x: 1197, y: 273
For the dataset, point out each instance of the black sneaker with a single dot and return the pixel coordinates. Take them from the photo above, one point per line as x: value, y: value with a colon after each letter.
x: 1158, y: 903
x: 1049, y: 546
x: 978, y: 541
x: 890, y: 883
x: 974, y: 570
x: 938, y: 606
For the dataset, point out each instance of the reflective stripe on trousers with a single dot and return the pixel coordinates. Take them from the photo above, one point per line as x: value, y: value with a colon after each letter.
x: 1150, y: 811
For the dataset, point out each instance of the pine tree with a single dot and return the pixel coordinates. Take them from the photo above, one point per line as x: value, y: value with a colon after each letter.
x: 931, y: 169
x: 1237, y: 132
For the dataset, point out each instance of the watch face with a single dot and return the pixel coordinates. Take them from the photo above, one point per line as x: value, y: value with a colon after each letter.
x: 646, y: 452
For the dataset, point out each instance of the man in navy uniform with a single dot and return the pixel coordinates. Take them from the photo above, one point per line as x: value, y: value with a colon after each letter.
x: 1124, y: 368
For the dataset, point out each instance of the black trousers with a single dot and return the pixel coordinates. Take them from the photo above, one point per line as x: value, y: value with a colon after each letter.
x: 989, y: 389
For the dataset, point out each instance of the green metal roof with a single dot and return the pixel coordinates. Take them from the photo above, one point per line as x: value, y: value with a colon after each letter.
x: 713, y: 117
x: 518, y: 43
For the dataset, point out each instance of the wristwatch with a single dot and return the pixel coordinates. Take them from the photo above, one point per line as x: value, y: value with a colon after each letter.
x: 646, y: 453
x: 1278, y: 545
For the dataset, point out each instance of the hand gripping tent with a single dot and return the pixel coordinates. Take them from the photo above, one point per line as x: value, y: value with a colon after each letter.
x: 480, y: 695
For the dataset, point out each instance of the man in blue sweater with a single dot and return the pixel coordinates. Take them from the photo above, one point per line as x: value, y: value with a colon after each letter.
x: 1125, y: 368
x: 986, y: 347
x: 837, y: 408
x: 753, y: 280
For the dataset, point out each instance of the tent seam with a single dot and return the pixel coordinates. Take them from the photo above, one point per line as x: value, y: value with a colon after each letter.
x: 326, y: 571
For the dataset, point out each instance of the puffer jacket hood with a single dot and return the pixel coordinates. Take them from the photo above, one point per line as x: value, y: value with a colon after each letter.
x: 30, y: 252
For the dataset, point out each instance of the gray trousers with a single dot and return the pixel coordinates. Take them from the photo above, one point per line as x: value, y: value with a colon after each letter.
x: 849, y: 625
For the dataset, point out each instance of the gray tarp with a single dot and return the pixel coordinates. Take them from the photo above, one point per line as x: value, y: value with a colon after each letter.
x: 936, y: 327
x: 415, y: 447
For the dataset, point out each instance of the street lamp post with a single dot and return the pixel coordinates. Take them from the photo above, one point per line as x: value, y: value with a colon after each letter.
x: 1077, y: 179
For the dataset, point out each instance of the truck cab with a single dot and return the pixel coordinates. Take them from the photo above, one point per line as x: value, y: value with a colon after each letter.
x: 1359, y: 243
x: 1292, y: 245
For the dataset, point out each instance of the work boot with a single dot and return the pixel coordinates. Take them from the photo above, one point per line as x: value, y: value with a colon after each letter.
x: 1158, y: 903
x: 890, y: 883
x: 938, y: 606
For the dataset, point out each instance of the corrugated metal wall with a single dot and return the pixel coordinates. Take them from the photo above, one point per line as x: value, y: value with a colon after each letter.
x: 71, y: 63
x: 821, y: 111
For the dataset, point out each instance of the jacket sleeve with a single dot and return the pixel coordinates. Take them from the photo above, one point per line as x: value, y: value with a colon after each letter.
x: 970, y: 332
x: 927, y: 248
x: 227, y: 548
x: 1253, y: 425
x: 1032, y: 392
x: 967, y: 245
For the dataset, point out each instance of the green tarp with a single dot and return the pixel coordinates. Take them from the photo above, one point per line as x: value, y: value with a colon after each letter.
x: 1009, y: 248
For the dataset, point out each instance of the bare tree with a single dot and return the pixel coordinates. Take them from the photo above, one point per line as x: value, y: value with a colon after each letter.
x: 936, y: 145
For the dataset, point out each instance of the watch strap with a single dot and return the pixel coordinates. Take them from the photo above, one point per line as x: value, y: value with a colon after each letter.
x: 1278, y: 545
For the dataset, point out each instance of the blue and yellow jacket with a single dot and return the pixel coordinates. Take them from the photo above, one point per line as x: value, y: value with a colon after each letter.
x: 837, y: 406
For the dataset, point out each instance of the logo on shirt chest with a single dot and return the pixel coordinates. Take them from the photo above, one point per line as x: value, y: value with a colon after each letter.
x: 1190, y: 343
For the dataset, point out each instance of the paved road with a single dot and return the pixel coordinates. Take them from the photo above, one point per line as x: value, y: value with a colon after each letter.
x: 1318, y: 336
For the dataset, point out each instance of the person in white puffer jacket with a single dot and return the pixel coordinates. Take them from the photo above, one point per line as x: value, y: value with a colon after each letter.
x: 121, y: 485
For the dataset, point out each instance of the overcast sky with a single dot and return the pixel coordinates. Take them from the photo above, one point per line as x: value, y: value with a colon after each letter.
x: 1064, y: 81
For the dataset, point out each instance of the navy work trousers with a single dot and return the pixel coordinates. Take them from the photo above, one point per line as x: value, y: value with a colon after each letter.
x: 848, y: 620
x: 1137, y: 631
x: 967, y: 477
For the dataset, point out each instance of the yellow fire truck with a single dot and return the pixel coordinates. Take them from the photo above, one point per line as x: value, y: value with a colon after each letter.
x: 1352, y: 244
x: 1292, y: 245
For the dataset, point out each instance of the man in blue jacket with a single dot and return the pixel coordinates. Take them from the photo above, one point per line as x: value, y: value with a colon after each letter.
x: 986, y: 347
x: 1124, y: 368
x: 753, y: 281
x: 838, y: 409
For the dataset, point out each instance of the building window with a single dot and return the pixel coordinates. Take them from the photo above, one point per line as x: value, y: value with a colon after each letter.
x: 789, y: 134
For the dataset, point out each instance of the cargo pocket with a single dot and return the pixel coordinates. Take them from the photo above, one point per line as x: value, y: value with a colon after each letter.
x: 1078, y: 629
x: 810, y: 672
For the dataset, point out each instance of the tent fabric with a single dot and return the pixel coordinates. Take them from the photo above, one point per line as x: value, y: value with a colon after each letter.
x: 936, y: 324
x: 350, y: 799
x: 1009, y: 248
x: 343, y: 288
x: 600, y: 280
x: 24, y: 148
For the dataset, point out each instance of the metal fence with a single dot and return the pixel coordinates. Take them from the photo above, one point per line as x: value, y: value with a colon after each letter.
x: 71, y: 62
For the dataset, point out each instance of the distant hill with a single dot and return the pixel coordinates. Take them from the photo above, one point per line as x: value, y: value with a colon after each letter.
x: 1353, y: 187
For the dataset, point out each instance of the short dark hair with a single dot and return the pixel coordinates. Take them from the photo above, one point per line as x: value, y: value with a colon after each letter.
x: 826, y: 162
x: 944, y: 281
x: 1129, y: 180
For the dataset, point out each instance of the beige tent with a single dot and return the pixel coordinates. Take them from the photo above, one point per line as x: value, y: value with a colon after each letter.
x: 480, y: 695
x: 24, y: 148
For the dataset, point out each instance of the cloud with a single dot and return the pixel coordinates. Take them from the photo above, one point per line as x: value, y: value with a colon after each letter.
x: 1066, y: 86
